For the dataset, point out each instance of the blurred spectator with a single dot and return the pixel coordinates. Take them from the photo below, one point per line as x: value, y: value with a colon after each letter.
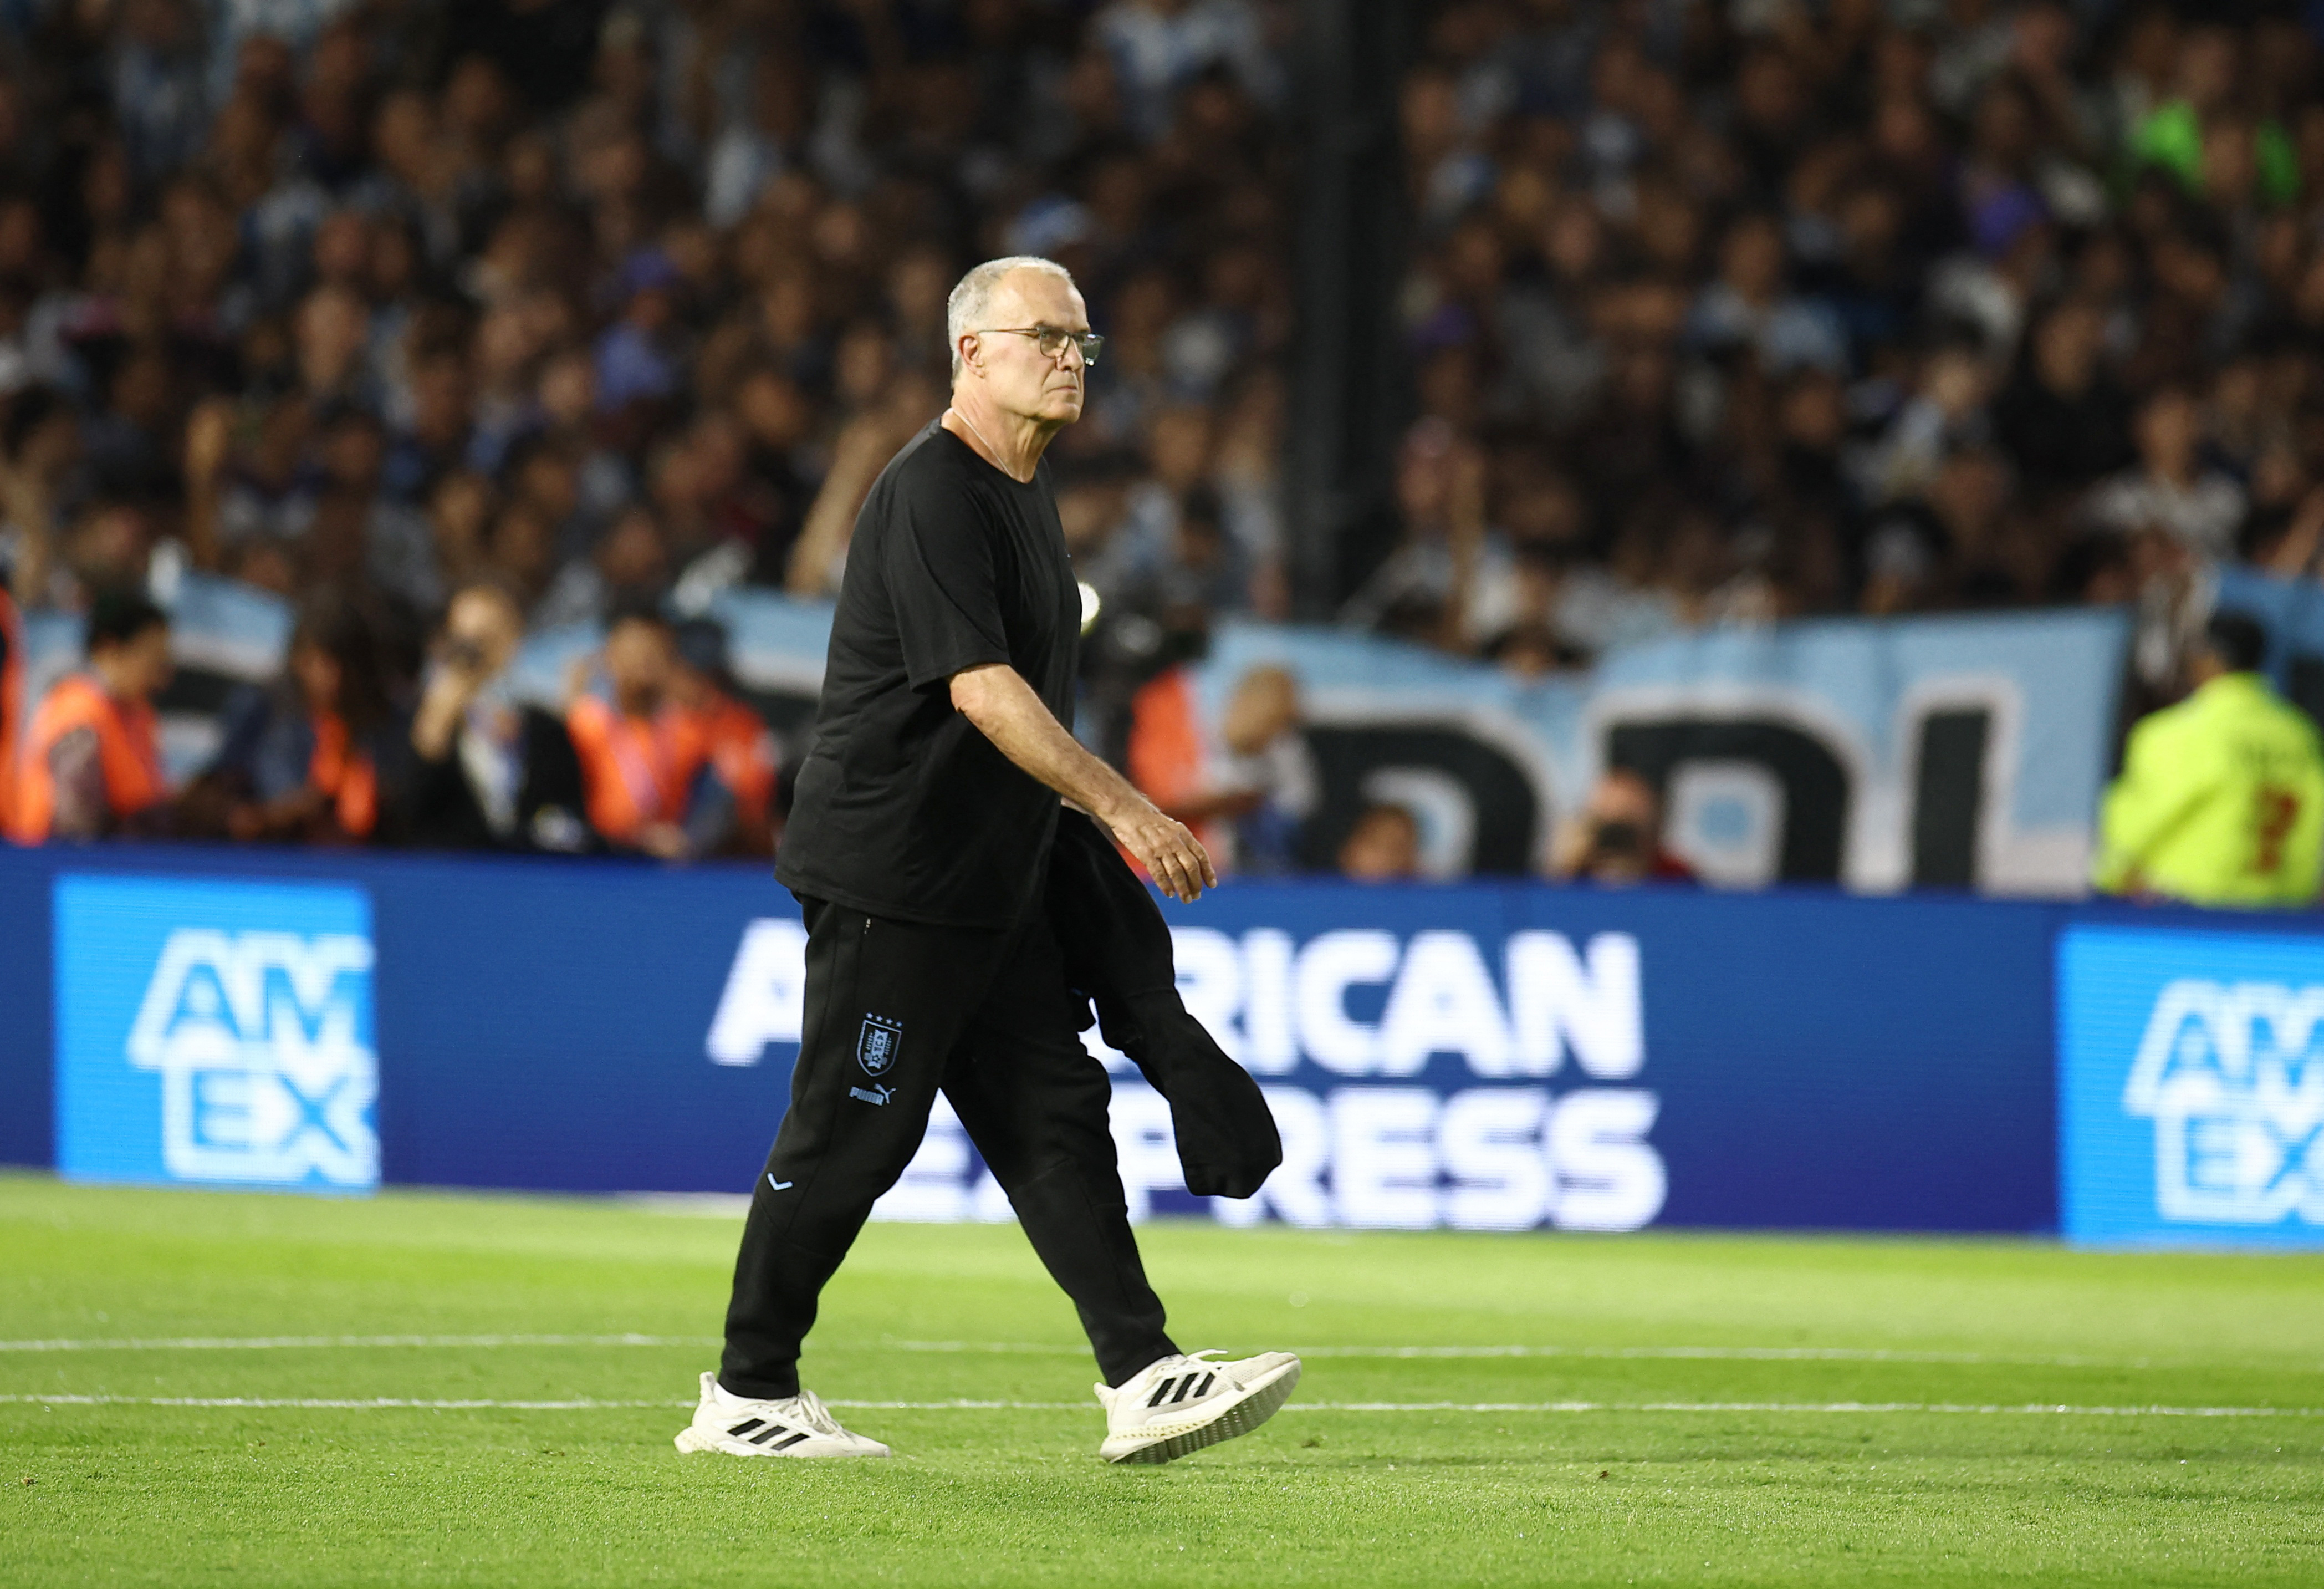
x: 1749, y: 310
x: 732, y: 808
x: 638, y: 758
x: 1617, y: 838
x: 1946, y: 414
x: 1170, y: 543
x: 40, y: 449
x: 1383, y: 847
x: 1267, y: 763
x: 2171, y: 489
x: 863, y: 449
x: 1191, y: 566
x: 90, y: 764
x: 1428, y: 588
x: 321, y: 756
x: 627, y: 569
x: 2221, y: 796
x: 2064, y: 419
x: 491, y: 772
x: 1160, y: 46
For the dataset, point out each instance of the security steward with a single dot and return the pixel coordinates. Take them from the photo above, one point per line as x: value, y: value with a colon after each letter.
x: 90, y: 765
x: 2221, y: 796
x: 919, y: 846
x: 639, y: 759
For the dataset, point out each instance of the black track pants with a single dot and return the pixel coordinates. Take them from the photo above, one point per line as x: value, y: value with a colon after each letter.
x: 894, y: 1011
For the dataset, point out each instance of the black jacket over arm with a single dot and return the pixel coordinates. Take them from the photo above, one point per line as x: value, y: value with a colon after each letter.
x: 1118, y: 951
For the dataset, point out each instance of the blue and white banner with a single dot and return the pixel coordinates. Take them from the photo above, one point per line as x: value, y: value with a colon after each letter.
x: 1959, y: 752
x: 1964, y: 752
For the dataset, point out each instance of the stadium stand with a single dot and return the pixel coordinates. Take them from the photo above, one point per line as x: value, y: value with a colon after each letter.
x: 1710, y: 317
x: 1739, y: 312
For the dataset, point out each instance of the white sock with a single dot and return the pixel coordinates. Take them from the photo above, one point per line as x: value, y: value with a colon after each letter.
x: 727, y: 1398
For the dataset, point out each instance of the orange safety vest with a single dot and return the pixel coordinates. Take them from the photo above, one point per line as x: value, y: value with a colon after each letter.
x: 12, y: 704
x: 634, y: 770
x: 128, y: 750
x: 345, y: 773
x: 742, y: 751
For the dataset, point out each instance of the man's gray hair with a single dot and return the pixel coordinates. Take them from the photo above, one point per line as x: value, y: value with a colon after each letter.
x: 972, y: 297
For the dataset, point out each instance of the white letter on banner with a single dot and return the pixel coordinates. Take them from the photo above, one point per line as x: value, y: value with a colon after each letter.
x: 1609, y: 1176
x: 1295, y: 1190
x: 1554, y: 1003
x: 1490, y: 1142
x: 1444, y: 1003
x: 1210, y: 981
x: 1269, y: 1047
x: 765, y: 1000
x: 1384, y: 1157
x: 1332, y: 963
x: 1146, y: 1147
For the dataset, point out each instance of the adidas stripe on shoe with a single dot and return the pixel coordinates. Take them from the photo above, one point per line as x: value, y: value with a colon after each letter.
x: 797, y: 1426
x: 1182, y: 1404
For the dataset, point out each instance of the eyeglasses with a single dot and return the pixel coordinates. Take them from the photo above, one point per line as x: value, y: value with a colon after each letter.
x: 1052, y: 340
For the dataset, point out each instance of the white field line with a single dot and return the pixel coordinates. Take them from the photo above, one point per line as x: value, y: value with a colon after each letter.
x: 1705, y: 1353
x: 370, y: 1404
x: 344, y: 1404
x: 277, y: 1342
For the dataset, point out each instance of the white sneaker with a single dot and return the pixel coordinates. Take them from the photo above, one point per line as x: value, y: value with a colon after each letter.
x: 797, y: 1426
x: 1182, y: 1404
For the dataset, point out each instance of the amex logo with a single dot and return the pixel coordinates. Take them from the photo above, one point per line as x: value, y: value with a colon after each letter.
x: 258, y: 1038
x: 2232, y: 1074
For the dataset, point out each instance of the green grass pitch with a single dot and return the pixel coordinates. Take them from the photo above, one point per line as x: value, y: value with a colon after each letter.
x: 191, y: 1389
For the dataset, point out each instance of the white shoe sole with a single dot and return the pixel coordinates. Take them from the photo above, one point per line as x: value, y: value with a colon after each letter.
x: 690, y: 1440
x: 1259, y: 1403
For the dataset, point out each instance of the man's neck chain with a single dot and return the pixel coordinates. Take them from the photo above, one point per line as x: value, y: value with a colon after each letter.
x: 981, y: 436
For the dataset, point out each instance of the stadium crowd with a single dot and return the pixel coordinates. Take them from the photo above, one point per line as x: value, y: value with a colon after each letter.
x: 1724, y: 313
x: 450, y: 322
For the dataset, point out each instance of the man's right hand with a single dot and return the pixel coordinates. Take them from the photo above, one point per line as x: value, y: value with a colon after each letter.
x: 1168, y: 850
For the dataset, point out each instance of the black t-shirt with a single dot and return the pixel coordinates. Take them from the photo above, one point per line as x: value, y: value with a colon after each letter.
x: 903, y: 808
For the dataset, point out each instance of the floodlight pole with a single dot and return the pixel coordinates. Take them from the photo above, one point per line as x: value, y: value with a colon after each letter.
x: 1349, y: 393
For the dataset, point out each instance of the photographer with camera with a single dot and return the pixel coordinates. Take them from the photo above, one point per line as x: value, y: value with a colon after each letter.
x: 1617, y: 838
x: 493, y: 771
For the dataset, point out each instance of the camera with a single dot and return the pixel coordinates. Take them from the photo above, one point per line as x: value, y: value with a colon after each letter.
x: 1618, y: 841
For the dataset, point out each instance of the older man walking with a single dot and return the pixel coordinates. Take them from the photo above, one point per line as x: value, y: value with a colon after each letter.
x: 918, y: 846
